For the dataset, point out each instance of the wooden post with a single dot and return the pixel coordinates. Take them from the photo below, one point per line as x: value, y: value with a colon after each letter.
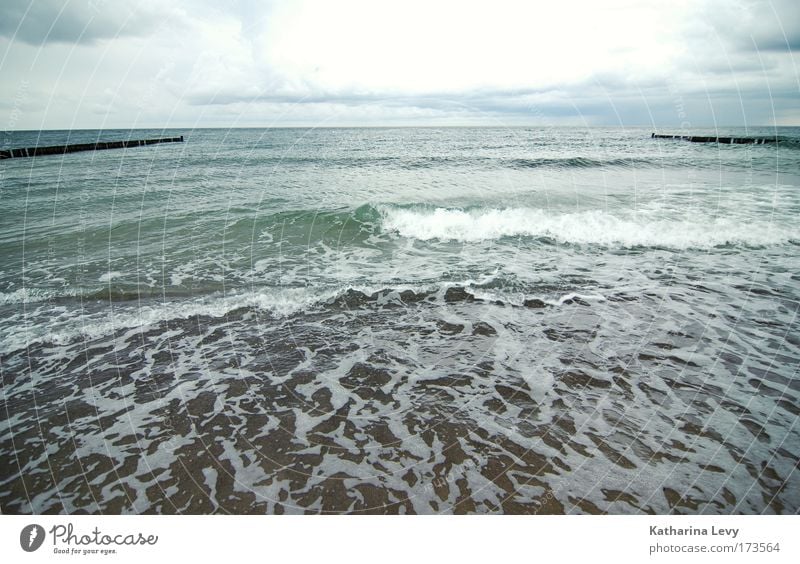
x: 99, y: 146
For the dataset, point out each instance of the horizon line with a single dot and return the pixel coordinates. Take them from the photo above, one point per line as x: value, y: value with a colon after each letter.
x: 405, y: 126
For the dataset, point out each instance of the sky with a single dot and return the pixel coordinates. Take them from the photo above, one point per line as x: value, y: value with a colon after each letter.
x: 69, y: 64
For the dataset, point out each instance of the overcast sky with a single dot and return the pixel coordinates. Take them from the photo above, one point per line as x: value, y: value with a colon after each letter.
x: 223, y: 63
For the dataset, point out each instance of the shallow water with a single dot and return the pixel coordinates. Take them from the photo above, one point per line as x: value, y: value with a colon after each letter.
x: 401, y: 321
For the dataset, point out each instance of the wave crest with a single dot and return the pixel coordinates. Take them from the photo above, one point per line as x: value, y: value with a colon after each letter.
x: 583, y: 228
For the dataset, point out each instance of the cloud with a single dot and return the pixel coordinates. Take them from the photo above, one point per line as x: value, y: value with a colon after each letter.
x: 750, y: 25
x: 37, y: 22
x: 776, y: 25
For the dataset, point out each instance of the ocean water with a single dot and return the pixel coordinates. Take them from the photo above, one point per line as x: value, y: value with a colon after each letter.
x: 400, y: 320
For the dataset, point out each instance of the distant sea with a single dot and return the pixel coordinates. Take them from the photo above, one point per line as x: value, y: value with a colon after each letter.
x: 410, y: 320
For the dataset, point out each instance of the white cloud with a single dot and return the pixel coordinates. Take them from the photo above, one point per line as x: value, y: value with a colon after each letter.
x: 357, y: 61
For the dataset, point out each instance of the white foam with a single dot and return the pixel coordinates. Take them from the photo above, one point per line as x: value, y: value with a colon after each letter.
x: 109, y: 276
x: 93, y: 325
x: 591, y: 227
x: 280, y: 302
x: 33, y: 295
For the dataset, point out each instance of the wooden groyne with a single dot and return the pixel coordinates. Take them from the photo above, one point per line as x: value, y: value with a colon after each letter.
x: 99, y: 146
x: 722, y: 140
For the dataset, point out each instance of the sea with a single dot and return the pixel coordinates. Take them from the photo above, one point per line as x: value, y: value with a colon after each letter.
x: 515, y: 320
